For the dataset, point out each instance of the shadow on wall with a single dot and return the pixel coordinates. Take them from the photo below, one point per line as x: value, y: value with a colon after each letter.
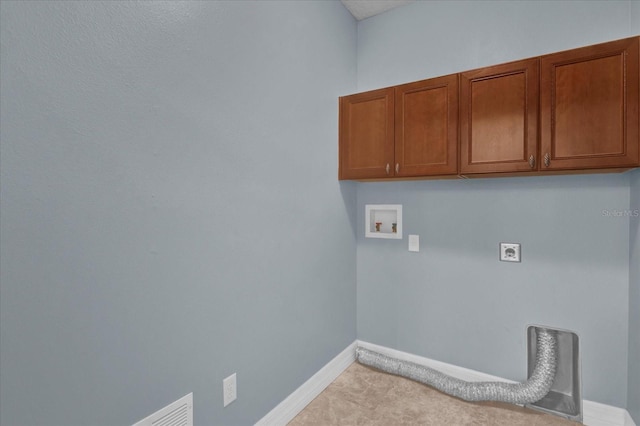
x: 349, y: 197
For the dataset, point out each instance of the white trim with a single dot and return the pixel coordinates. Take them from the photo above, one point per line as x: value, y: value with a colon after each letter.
x: 284, y: 412
x: 628, y: 420
x: 594, y: 413
x: 449, y: 369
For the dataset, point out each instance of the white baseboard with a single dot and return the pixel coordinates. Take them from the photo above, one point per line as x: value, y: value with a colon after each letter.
x: 284, y: 412
x: 594, y: 413
x: 443, y: 367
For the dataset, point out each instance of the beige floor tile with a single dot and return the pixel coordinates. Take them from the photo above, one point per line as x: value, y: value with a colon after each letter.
x: 362, y: 396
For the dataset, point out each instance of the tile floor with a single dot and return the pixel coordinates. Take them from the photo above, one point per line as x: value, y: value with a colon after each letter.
x: 364, y: 396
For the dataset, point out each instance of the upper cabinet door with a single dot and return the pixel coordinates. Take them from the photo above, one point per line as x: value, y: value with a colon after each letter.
x: 589, y: 107
x: 426, y: 123
x: 366, y: 135
x: 499, y: 118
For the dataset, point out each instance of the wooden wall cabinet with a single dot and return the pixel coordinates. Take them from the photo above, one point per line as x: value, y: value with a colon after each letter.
x: 499, y: 118
x: 589, y: 107
x: 426, y: 142
x: 571, y: 111
x: 404, y: 131
x: 366, y: 135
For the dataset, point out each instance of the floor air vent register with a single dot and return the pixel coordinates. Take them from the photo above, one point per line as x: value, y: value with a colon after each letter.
x: 178, y: 413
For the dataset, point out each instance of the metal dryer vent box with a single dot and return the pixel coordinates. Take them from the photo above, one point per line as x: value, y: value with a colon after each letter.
x: 565, y: 397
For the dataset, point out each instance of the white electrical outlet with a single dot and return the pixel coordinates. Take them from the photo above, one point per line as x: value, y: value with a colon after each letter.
x: 414, y: 243
x: 229, y: 389
x: 510, y: 252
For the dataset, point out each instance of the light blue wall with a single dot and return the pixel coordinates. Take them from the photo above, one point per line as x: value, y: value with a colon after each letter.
x: 633, y: 397
x: 158, y: 232
x: 454, y: 301
x: 432, y: 38
x: 634, y: 16
x: 170, y: 206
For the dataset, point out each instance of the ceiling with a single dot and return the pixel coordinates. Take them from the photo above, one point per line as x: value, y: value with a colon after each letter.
x: 363, y: 9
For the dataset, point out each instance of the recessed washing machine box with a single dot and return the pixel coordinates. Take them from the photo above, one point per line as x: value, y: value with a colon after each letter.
x: 383, y: 221
x: 565, y: 397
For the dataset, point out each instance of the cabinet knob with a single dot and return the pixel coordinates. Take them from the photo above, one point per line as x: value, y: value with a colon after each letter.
x: 547, y: 159
x: 387, y: 168
x: 532, y: 161
x: 397, y: 167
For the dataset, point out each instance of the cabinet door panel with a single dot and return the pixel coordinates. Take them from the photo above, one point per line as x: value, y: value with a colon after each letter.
x: 366, y: 135
x: 499, y: 118
x: 589, y: 106
x: 427, y: 127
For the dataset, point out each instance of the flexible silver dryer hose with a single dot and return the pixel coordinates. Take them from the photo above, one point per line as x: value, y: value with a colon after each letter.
x: 531, y: 390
